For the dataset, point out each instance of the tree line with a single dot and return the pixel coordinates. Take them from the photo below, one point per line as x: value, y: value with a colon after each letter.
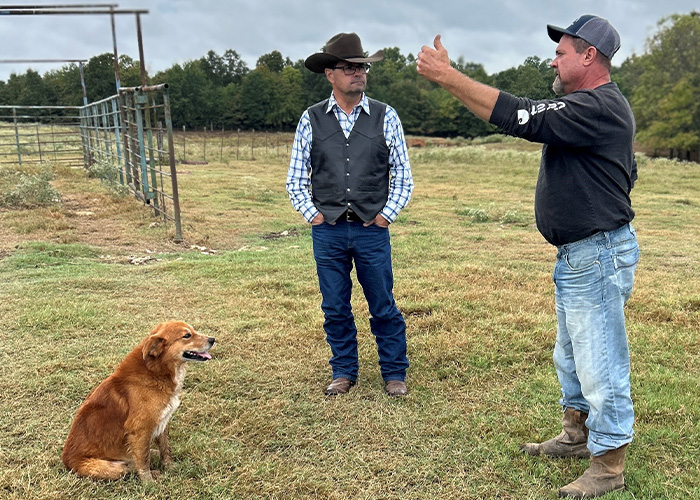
x: 662, y: 85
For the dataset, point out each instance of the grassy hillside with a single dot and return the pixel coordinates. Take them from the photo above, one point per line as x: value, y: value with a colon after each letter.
x: 82, y: 282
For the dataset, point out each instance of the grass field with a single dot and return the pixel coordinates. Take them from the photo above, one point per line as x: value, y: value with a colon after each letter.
x: 82, y: 282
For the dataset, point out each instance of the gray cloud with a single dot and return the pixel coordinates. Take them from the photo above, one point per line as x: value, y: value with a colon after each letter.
x: 498, y: 34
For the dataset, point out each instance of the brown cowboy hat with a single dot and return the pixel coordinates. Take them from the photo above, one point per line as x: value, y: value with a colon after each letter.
x: 342, y: 47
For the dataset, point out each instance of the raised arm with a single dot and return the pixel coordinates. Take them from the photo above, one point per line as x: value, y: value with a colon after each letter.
x: 434, y: 64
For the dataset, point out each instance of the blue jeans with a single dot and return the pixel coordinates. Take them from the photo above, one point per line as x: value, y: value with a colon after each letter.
x: 593, y: 279
x: 336, y: 247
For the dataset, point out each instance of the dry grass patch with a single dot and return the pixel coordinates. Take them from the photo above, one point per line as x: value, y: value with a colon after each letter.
x: 478, y: 301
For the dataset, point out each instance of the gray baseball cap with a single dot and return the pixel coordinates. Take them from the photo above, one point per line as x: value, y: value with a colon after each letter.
x: 593, y: 29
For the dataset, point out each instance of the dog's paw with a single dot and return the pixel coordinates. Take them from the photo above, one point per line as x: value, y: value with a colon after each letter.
x: 147, y: 476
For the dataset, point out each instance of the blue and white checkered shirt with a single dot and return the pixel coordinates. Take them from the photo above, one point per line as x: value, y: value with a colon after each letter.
x: 299, y: 173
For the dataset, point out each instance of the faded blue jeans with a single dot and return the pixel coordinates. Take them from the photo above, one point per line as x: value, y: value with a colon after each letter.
x: 593, y: 279
x: 336, y: 247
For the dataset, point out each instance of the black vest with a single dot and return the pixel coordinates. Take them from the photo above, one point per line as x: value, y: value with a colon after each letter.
x: 349, y: 173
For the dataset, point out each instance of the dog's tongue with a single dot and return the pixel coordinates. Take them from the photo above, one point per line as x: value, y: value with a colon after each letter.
x: 205, y: 355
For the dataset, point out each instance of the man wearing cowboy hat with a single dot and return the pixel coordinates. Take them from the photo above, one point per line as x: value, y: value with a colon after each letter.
x: 349, y: 176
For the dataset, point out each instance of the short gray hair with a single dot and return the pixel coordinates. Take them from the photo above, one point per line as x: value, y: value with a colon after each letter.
x: 580, y: 45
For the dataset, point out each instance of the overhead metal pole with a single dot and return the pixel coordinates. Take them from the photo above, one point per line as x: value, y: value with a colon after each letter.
x: 72, y: 6
x: 83, y: 9
x: 142, y: 63
x: 40, y: 60
x: 45, y: 12
x: 114, y: 47
x: 79, y: 61
x: 82, y: 83
x: 87, y: 9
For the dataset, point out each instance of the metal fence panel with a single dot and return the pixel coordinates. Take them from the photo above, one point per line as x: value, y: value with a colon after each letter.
x: 37, y: 134
x: 131, y: 132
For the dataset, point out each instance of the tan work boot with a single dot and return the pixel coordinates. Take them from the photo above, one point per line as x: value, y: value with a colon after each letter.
x: 603, y: 476
x: 571, y: 442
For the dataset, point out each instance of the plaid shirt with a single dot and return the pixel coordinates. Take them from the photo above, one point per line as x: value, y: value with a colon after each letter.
x: 299, y: 173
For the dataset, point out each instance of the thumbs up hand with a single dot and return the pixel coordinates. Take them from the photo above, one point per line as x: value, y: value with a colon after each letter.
x: 433, y: 62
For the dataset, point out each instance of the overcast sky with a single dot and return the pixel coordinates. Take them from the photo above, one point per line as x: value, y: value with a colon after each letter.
x: 499, y: 34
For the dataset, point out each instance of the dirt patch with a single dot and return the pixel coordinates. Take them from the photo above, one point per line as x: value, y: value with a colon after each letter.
x: 418, y: 312
x: 117, y: 225
x: 220, y: 204
x: 416, y: 143
x: 284, y: 234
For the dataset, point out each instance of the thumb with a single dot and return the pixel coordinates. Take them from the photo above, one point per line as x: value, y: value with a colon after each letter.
x: 437, y: 43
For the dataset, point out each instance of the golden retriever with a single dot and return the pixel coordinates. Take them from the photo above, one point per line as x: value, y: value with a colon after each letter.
x: 112, y: 430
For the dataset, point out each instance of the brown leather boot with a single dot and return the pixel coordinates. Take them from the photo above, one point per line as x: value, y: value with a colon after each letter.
x: 340, y: 385
x: 603, y: 476
x: 571, y: 442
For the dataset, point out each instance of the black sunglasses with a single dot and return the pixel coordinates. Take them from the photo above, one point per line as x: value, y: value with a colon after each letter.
x: 353, y: 68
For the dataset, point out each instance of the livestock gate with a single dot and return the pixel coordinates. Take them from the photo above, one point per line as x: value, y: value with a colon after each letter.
x: 129, y: 135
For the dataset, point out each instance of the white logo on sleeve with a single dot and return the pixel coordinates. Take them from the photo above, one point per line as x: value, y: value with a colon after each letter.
x: 523, y: 116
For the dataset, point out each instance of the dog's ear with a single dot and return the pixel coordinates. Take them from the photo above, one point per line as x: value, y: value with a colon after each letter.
x: 157, y: 328
x: 153, y: 347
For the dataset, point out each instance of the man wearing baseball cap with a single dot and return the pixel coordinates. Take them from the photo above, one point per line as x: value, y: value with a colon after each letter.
x: 582, y: 206
x: 349, y: 176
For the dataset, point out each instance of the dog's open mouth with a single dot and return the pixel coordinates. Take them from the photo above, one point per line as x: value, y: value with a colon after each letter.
x: 196, y: 356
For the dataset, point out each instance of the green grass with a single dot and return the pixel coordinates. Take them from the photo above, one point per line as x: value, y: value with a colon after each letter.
x: 27, y: 187
x: 478, y: 301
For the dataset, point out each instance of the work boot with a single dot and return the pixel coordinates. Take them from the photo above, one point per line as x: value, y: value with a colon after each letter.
x: 571, y: 442
x: 396, y: 388
x: 340, y: 385
x: 603, y: 476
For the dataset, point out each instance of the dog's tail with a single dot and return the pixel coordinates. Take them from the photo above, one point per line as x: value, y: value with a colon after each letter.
x: 99, y: 468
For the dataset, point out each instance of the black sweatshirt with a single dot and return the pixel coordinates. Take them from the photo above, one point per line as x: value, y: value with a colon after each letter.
x: 587, y: 169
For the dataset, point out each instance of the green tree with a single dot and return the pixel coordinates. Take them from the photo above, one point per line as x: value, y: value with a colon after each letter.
x: 100, y: 79
x: 27, y: 89
x: 288, y: 96
x: 676, y: 125
x: 65, y: 84
x: 273, y: 61
x: 12, y: 89
x: 225, y: 69
x: 627, y: 75
x: 130, y: 73
x: 449, y: 118
x: 231, y: 112
x: 33, y: 91
x: 531, y: 79
x: 257, y: 97
x: 314, y: 86
x: 666, y: 98
x: 385, y: 73
x: 413, y: 106
x: 194, y: 99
